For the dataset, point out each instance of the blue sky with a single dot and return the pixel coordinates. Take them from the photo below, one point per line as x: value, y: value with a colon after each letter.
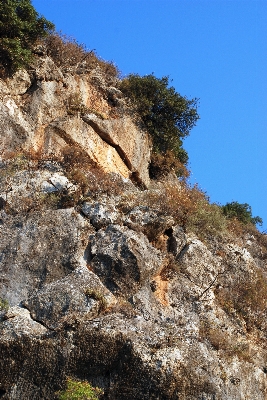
x: 215, y: 50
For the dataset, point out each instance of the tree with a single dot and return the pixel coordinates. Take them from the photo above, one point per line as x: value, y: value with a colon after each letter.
x: 20, y: 27
x: 242, y: 212
x: 166, y: 115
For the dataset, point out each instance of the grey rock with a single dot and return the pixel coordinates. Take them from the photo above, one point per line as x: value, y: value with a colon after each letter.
x: 146, y: 220
x: 19, y: 323
x: 79, y: 293
x: 177, y: 240
x: 123, y: 259
x: 39, y: 249
x: 100, y: 215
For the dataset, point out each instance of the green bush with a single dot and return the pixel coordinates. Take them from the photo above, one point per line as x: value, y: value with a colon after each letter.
x: 207, y: 220
x: 3, y: 304
x: 20, y: 27
x: 242, y: 212
x: 166, y: 115
x: 77, y: 390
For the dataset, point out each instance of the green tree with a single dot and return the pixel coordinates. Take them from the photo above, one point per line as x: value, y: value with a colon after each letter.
x: 166, y: 115
x: 242, y: 212
x: 20, y: 27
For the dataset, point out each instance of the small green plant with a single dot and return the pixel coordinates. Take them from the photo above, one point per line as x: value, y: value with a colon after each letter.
x: 79, y: 390
x: 3, y: 304
x: 207, y: 220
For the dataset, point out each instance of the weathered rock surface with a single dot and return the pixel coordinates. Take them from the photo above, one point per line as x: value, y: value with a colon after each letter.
x: 123, y: 259
x: 39, y: 249
x: 148, y: 221
x: 101, y: 215
x: 36, y: 114
x: 131, y: 144
x: 94, y: 284
x: 80, y: 293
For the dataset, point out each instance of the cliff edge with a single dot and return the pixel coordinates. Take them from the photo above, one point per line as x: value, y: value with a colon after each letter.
x: 102, y: 277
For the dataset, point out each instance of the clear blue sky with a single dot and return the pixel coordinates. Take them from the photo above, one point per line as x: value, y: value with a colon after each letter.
x: 215, y: 50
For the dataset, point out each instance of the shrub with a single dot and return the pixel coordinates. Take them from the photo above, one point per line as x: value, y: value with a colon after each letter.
x: 67, y: 52
x: 3, y: 304
x: 221, y: 340
x: 20, y: 28
x: 77, y: 390
x: 247, y: 295
x: 166, y: 115
x: 74, y: 156
x: 207, y: 220
x: 162, y: 164
x: 242, y: 212
x: 75, y: 104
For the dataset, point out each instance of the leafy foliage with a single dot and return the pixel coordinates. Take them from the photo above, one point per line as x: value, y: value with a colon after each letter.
x: 3, y: 304
x: 77, y: 390
x: 242, y: 212
x: 166, y: 115
x: 20, y: 27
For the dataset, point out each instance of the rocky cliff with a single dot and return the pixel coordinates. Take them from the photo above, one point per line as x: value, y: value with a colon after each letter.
x: 99, y: 280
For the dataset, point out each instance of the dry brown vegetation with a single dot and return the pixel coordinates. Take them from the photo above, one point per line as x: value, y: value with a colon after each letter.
x: 222, y: 340
x: 66, y: 52
x: 247, y: 295
x: 162, y: 164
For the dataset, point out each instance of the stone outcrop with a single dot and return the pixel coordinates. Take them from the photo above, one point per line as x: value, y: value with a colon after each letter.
x: 40, y: 111
x: 99, y: 285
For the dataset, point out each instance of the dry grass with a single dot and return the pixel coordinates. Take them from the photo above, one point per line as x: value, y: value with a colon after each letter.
x: 246, y: 295
x: 66, y: 52
x: 222, y: 341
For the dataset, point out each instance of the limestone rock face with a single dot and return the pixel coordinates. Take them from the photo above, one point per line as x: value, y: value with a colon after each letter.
x: 148, y: 221
x: 42, y: 112
x: 122, y: 259
x: 97, y: 281
x: 26, y: 254
x: 132, y: 145
x: 79, y: 293
x: 101, y: 215
x: 75, y: 132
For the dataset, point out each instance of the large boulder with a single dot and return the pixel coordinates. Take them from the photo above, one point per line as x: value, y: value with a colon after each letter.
x: 123, y: 259
x: 39, y: 249
x: 80, y: 293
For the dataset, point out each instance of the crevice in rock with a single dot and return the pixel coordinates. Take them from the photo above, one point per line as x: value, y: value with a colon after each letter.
x: 61, y: 133
x: 87, y: 255
x: 34, y: 86
x: 106, y: 138
x: 36, y: 320
x: 169, y: 232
